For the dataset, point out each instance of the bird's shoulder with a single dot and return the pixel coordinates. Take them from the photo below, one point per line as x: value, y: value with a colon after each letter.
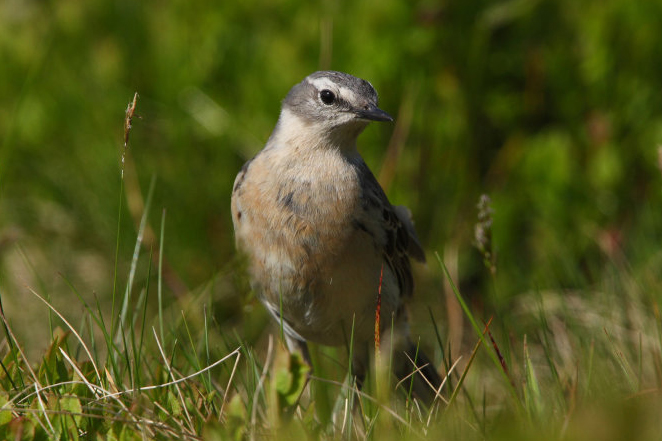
x: 239, y: 179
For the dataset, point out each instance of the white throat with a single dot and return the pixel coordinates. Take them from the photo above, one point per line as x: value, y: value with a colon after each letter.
x: 296, y: 132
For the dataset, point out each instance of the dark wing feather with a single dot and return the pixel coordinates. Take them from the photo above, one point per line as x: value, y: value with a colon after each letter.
x: 398, y: 238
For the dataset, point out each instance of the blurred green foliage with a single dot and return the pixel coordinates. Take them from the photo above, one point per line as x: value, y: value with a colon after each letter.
x: 553, y: 108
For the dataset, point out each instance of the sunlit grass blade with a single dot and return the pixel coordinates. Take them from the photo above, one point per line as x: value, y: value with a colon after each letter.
x: 136, y: 253
x: 463, y: 376
x: 532, y: 394
x: 160, y: 276
x: 478, y: 332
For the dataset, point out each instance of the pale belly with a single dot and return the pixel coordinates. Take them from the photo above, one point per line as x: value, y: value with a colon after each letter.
x: 342, y: 301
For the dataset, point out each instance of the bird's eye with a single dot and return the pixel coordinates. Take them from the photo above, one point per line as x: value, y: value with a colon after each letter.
x: 327, y: 96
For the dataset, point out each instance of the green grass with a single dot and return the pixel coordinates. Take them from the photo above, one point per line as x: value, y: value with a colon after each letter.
x: 559, y: 365
x: 565, y: 380
x: 119, y: 282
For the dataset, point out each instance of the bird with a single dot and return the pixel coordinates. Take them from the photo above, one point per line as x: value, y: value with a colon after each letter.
x: 325, y: 247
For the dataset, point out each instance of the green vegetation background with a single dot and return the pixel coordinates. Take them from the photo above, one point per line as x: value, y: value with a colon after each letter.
x: 552, y: 108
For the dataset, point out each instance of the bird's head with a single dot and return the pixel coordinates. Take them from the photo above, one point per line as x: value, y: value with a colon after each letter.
x: 330, y: 106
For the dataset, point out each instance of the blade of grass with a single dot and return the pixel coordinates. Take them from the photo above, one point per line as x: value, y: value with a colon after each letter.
x: 136, y: 253
x: 437, y: 334
x: 117, y: 248
x: 11, y: 347
x: 350, y: 389
x: 194, y: 359
x: 40, y: 283
x: 207, y: 379
x: 44, y: 413
x: 227, y: 387
x: 73, y: 330
x: 474, y: 324
x: 160, y: 277
x: 110, y: 345
x: 144, y: 315
x: 623, y: 363
x: 135, y: 366
x: 125, y: 353
x: 175, y: 383
x: 532, y: 395
x: 259, y: 388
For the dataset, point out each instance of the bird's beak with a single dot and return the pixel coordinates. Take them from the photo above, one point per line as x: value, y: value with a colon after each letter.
x: 373, y: 113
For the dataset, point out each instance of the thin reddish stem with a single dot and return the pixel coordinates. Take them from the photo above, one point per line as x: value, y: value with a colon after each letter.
x: 378, y: 310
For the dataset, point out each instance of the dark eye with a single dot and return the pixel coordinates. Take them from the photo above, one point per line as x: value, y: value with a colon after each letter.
x: 327, y: 96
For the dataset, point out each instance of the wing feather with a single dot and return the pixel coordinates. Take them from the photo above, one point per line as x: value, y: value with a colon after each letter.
x: 395, y: 233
